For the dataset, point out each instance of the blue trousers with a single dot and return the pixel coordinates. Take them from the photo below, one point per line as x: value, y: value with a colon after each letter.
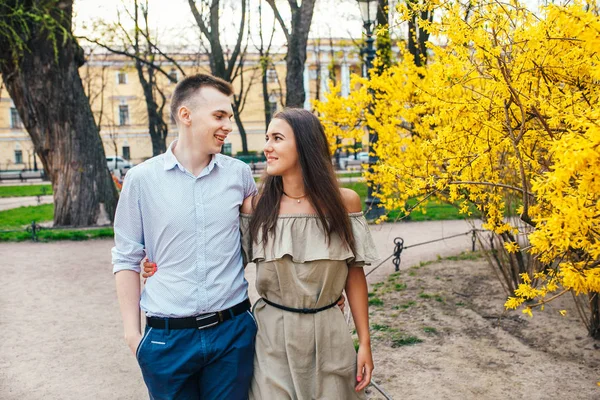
x: 212, y: 363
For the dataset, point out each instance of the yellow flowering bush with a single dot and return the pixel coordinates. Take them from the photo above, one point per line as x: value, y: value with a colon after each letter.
x: 507, y: 107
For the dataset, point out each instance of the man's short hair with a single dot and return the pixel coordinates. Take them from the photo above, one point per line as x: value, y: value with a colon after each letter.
x: 189, y: 85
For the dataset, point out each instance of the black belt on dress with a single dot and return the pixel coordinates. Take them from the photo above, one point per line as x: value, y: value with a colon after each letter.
x: 301, y: 310
x: 201, y: 321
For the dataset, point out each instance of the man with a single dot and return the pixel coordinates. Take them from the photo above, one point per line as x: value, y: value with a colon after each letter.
x: 181, y: 210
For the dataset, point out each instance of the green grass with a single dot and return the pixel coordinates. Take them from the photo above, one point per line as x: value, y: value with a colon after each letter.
x: 18, y: 217
x: 56, y: 234
x: 28, y: 190
x: 429, y: 329
x: 465, y: 255
x: 381, y: 328
x: 434, y: 210
x: 349, y: 174
x: 405, y: 305
x: 375, y: 301
x: 402, y: 340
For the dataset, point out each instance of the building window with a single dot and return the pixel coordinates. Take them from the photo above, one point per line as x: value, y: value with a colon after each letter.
x: 18, y: 156
x: 15, y: 120
x: 122, y: 77
x: 271, y: 75
x: 174, y: 75
x: 126, y: 151
x: 123, y: 114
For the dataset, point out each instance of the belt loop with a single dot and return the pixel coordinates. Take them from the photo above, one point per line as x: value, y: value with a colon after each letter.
x: 231, y: 312
x: 167, y: 326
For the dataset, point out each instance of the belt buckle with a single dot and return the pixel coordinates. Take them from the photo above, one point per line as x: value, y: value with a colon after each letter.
x: 205, y: 316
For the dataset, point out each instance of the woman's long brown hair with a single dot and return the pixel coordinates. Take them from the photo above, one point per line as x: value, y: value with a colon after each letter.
x: 320, y: 182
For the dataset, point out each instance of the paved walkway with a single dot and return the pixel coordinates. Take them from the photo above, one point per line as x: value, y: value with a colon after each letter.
x: 6, y: 203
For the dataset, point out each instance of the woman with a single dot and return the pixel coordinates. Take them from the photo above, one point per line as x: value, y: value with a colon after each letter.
x: 309, y: 241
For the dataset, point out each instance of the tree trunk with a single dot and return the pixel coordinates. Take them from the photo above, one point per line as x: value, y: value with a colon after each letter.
x: 296, y: 56
x: 595, y: 316
x: 264, y: 65
x: 384, y: 41
x: 240, y: 125
x: 413, y: 48
x: 219, y: 65
x: 157, y: 127
x: 48, y: 93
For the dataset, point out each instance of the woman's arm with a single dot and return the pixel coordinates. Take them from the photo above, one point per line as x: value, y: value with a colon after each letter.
x: 356, y: 290
x: 247, y: 207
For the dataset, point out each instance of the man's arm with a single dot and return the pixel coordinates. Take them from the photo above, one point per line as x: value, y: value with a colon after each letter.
x: 249, y: 184
x: 128, y: 292
x: 126, y: 256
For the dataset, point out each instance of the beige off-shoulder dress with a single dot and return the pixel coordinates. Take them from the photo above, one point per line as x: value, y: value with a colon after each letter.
x: 304, y: 356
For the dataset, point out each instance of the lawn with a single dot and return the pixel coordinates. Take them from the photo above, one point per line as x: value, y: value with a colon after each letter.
x: 14, y: 222
x: 18, y: 217
x: 28, y: 190
x: 434, y: 210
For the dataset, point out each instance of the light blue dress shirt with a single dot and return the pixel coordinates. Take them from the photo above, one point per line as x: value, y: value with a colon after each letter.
x: 189, y: 226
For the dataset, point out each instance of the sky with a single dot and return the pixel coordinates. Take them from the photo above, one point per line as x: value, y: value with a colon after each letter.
x: 174, y: 24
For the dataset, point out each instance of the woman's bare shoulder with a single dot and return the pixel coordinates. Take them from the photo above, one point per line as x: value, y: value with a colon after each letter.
x: 351, y: 200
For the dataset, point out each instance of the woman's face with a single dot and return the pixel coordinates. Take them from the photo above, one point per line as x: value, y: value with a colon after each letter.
x: 280, y: 149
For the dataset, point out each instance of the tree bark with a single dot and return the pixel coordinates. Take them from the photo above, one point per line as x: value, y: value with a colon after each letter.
x: 297, y: 40
x: 417, y: 36
x: 296, y: 56
x: 264, y: 68
x: 219, y: 66
x: 384, y: 41
x: 48, y: 93
x: 157, y: 127
x: 413, y: 48
x: 240, y: 125
x: 594, y: 328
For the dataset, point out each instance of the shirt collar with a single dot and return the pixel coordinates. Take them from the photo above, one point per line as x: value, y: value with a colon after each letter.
x: 170, y: 161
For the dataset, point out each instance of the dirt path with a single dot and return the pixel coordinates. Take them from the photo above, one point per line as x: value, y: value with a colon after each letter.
x: 62, y: 331
x: 441, y: 333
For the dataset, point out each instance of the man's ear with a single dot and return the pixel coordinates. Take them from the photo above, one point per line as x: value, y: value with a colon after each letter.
x: 185, y: 116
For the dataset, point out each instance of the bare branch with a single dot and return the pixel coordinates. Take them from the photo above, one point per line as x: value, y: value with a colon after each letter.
x: 238, y: 44
x: 279, y: 19
x: 130, y: 55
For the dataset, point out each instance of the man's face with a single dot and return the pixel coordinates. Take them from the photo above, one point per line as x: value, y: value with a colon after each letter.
x: 210, y: 115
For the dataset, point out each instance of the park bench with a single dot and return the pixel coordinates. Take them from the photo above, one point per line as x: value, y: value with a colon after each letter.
x: 22, y: 176
x: 353, y: 165
x: 258, y: 167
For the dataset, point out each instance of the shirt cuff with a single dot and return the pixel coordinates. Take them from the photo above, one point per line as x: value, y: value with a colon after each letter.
x: 126, y: 267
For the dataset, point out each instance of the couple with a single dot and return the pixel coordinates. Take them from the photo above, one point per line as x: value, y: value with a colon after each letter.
x: 189, y: 209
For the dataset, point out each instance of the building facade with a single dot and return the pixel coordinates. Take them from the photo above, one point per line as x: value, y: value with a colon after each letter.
x: 117, y: 100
